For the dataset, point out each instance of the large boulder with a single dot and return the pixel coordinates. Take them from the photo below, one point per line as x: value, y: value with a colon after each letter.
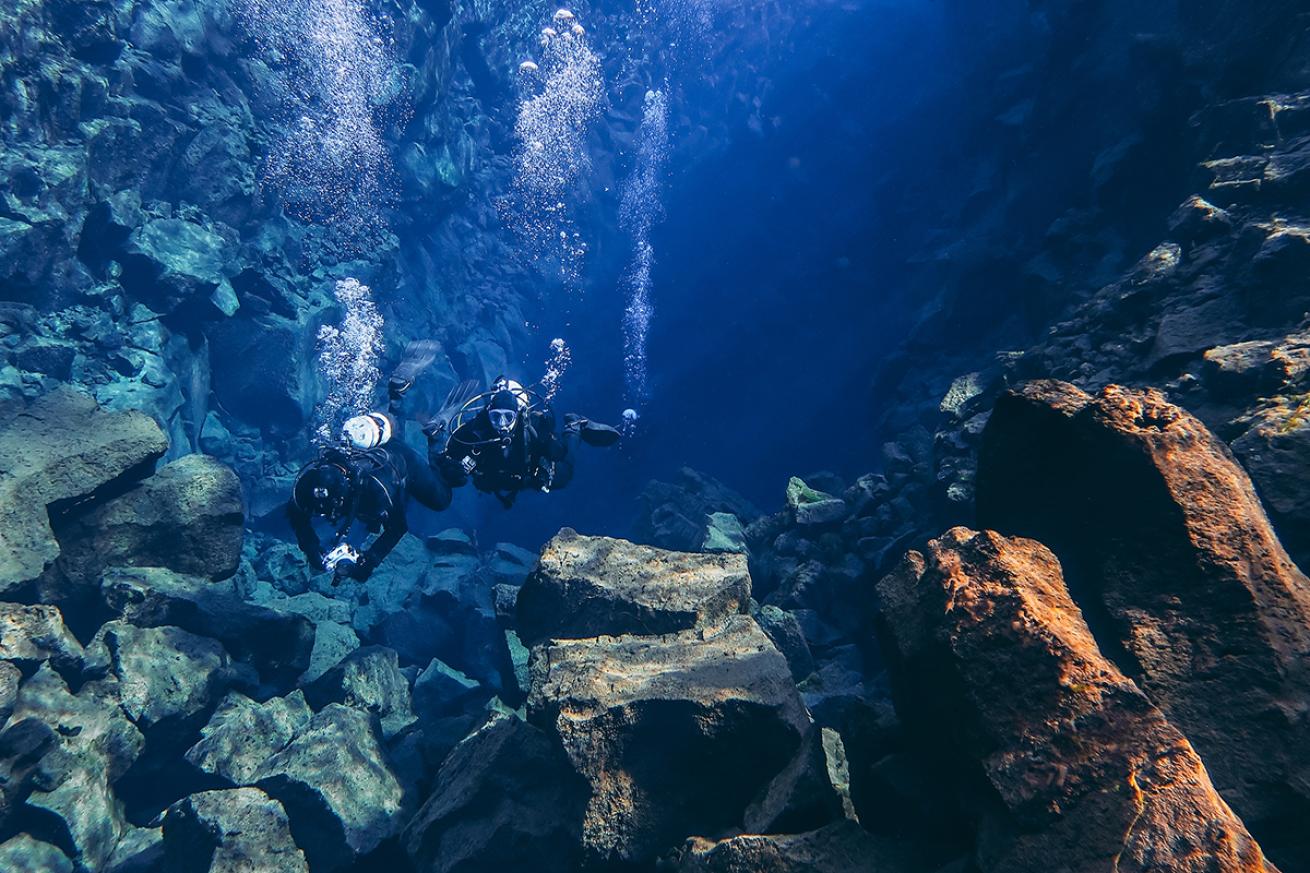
x: 334, y: 781
x: 237, y: 830
x: 242, y: 734
x: 588, y: 586
x: 188, y: 517
x: 58, y: 449
x: 1177, y: 567
x: 30, y: 635
x: 842, y: 847
x: 86, y: 745
x: 673, y: 734
x: 164, y: 674
x: 23, y: 854
x: 278, y: 644
x: 368, y: 679
x: 504, y: 799
x: 996, y: 671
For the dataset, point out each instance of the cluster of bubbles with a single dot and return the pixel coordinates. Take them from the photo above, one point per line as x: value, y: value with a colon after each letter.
x: 641, y: 208
x: 561, y: 356
x: 339, y: 88
x: 348, y: 359
x: 562, y: 95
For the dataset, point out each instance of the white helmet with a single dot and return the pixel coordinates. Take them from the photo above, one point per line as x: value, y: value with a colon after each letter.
x: 367, y: 431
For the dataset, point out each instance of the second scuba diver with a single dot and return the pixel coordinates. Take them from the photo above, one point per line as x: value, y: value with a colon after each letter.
x: 509, y: 444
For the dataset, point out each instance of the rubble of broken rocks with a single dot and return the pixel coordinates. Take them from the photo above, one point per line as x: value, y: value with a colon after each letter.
x: 1105, y: 675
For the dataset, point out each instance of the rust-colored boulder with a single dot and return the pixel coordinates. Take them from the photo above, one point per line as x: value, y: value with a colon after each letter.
x: 1168, y: 550
x: 995, y: 668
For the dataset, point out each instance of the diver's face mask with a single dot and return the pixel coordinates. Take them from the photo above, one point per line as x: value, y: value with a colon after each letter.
x: 502, y: 420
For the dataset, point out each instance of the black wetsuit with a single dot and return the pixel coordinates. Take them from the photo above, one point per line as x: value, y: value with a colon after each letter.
x: 533, y: 457
x: 382, y: 480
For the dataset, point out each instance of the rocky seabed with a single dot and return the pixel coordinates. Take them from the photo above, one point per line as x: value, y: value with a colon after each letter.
x: 179, y: 696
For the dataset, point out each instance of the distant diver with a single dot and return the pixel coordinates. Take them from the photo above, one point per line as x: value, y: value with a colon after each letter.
x: 504, y: 441
x: 367, y: 480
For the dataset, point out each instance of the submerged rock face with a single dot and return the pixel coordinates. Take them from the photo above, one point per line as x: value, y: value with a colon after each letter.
x: 996, y: 669
x: 60, y: 448
x: 188, y: 517
x: 587, y: 586
x: 1168, y: 546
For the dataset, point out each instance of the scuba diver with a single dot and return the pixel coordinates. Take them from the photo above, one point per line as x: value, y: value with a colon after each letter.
x: 504, y: 440
x: 368, y: 479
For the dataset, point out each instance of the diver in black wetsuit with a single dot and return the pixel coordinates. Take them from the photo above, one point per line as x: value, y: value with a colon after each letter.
x: 510, y: 444
x: 368, y: 481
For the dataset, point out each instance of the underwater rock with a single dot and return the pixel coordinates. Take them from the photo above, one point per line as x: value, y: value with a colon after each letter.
x: 61, y: 447
x: 242, y: 735
x: 332, y: 642
x: 334, y: 782
x: 367, y: 679
x: 235, y: 830
x: 813, y: 507
x: 9, y: 679
x: 1163, y: 530
x: 1257, y: 368
x: 168, y: 261
x: 188, y: 517
x: 277, y: 644
x: 676, y: 515
x: 30, y: 635
x: 674, y: 734
x: 164, y: 673
x: 23, y: 854
x: 723, y: 533
x: 504, y: 799
x: 509, y: 565
x: 447, y: 703
x: 842, y: 847
x: 812, y: 791
x: 89, y: 743
x: 140, y: 850
x: 272, y: 389
x: 588, y: 586
x: 785, y: 631
x: 995, y: 667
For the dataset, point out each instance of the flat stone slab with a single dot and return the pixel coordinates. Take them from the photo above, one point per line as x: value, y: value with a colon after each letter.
x: 591, y: 586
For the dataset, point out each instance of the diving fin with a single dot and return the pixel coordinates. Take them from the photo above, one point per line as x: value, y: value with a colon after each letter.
x: 459, y: 395
x: 418, y: 356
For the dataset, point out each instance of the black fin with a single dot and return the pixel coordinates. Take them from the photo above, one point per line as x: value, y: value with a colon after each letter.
x: 462, y: 393
x: 418, y: 356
